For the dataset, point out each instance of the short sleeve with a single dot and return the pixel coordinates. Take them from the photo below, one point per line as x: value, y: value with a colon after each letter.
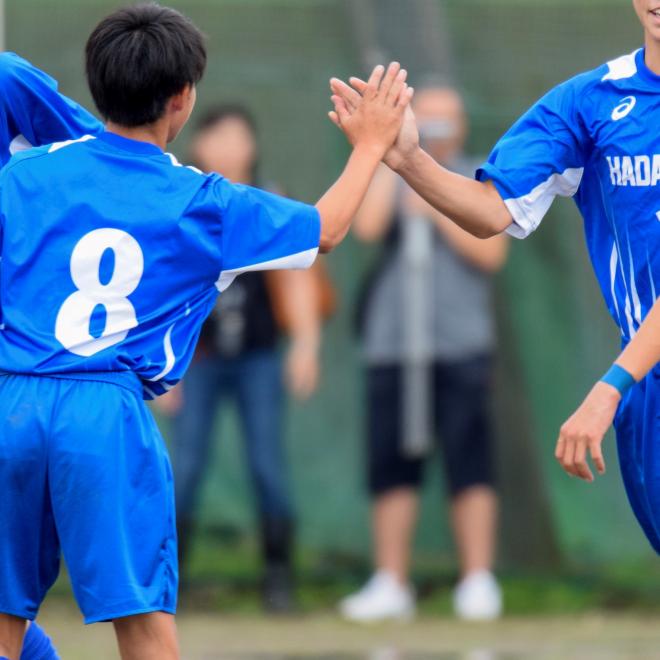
x: 264, y: 231
x: 540, y: 157
x: 35, y: 110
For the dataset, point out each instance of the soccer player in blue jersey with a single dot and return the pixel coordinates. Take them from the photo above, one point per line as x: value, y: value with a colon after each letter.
x: 593, y: 138
x: 33, y: 113
x: 112, y: 256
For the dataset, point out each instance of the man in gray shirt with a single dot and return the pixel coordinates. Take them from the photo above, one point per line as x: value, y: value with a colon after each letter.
x: 428, y: 340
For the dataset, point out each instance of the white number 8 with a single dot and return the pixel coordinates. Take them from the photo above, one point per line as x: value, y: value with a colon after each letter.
x: 72, y: 326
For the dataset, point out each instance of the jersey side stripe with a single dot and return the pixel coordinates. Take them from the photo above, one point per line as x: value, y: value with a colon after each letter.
x: 298, y: 261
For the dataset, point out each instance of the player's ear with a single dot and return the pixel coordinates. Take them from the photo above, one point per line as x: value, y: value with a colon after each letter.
x: 183, y: 99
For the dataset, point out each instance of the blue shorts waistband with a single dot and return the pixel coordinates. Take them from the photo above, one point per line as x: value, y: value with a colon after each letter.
x: 126, y: 379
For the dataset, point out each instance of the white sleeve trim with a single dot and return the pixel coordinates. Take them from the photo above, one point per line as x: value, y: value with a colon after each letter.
x: 528, y: 211
x: 298, y: 261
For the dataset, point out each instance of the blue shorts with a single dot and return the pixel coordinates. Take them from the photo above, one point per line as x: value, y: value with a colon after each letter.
x: 83, y: 468
x: 637, y: 426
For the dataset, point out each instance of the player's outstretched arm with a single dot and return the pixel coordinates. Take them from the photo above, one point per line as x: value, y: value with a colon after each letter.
x: 35, y: 107
x: 372, y: 130
x: 474, y: 206
x: 583, y: 432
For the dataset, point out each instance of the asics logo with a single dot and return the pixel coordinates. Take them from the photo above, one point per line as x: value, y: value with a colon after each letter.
x: 624, y: 108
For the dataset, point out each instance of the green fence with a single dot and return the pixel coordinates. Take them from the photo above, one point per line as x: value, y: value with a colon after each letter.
x: 555, y: 337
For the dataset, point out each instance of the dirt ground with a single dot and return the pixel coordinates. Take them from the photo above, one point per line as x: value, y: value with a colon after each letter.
x: 324, y: 636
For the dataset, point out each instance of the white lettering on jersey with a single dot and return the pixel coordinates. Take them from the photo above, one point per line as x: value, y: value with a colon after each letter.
x: 634, y: 171
x: 627, y: 172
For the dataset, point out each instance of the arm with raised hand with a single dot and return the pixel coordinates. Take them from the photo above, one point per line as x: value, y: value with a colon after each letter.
x: 371, y: 129
x: 474, y: 206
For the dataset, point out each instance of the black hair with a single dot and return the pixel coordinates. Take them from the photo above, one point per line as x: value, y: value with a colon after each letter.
x: 138, y: 57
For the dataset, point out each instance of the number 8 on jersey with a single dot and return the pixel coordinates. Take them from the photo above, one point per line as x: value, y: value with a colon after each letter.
x: 72, y: 326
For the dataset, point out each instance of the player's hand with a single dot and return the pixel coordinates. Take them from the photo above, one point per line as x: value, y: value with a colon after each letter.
x: 170, y: 403
x: 302, y: 370
x: 582, y: 434
x: 376, y: 120
x: 407, y: 141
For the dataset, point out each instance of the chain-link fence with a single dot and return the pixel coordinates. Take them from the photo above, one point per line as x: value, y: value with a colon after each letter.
x: 555, y: 338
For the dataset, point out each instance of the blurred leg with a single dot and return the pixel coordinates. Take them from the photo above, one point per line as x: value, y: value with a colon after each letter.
x: 394, y: 516
x: 394, y: 478
x: 261, y: 405
x: 474, y: 520
x: 12, y: 630
x: 191, y: 442
x: 147, y: 637
x: 462, y: 400
x: 393, y: 484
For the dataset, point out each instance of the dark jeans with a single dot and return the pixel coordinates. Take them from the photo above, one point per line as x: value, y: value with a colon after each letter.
x: 254, y: 381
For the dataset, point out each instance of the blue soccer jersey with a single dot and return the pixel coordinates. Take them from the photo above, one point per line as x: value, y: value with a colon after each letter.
x: 33, y: 112
x: 594, y: 138
x: 113, y: 255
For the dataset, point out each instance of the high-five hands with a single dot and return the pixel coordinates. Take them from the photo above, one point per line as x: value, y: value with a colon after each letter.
x: 348, y: 100
x: 373, y: 116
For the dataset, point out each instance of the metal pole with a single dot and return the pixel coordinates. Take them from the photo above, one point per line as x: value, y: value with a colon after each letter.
x: 2, y: 26
x: 415, y: 32
x: 363, y: 18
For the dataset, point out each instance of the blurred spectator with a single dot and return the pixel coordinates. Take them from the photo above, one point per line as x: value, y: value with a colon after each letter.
x: 238, y: 358
x: 430, y: 355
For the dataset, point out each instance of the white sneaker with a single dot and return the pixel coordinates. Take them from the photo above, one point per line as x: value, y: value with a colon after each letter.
x: 478, y: 597
x: 383, y: 597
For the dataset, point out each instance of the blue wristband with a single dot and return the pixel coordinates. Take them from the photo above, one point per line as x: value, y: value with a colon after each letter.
x: 619, y: 378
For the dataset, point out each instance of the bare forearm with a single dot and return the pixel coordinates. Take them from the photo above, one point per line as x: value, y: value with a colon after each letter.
x: 474, y: 206
x: 302, y: 307
x: 375, y: 215
x: 487, y: 255
x: 643, y: 352
x: 340, y: 204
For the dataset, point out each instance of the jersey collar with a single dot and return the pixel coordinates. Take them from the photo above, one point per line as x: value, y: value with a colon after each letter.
x: 134, y: 146
x: 643, y: 71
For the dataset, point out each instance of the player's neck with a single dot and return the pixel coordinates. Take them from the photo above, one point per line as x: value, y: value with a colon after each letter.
x: 154, y: 133
x: 652, y: 55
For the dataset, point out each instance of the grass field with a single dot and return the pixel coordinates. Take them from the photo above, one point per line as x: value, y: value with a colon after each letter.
x: 594, y: 614
x: 590, y: 636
